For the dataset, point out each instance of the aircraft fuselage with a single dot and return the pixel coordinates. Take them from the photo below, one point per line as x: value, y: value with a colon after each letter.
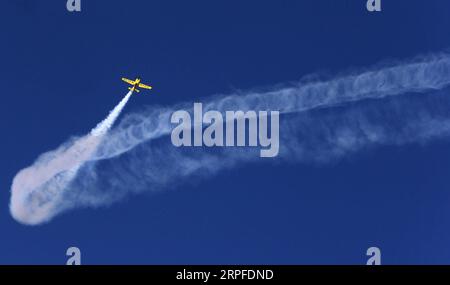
x: 136, y: 84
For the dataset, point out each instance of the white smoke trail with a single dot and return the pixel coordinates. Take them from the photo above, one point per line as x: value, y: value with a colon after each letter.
x: 38, y: 190
x: 430, y: 73
x: 130, y: 159
x: 103, y: 127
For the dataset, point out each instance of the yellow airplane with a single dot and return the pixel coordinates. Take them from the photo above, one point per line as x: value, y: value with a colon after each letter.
x: 136, y: 84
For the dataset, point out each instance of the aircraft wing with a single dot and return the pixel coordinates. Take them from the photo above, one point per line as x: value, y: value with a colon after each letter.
x: 144, y: 86
x: 128, y: 81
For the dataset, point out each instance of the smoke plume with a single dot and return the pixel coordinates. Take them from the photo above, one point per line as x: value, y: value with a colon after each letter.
x: 322, y: 120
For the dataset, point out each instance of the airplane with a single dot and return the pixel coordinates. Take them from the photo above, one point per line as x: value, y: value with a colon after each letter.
x: 136, y: 84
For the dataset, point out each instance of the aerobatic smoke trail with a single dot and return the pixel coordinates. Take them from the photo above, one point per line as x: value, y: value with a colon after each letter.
x: 103, y: 127
x: 39, y: 189
x: 105, y: 166
x: 430, y: 73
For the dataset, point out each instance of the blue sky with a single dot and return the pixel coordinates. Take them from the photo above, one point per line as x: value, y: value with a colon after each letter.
x: 61, y: 75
